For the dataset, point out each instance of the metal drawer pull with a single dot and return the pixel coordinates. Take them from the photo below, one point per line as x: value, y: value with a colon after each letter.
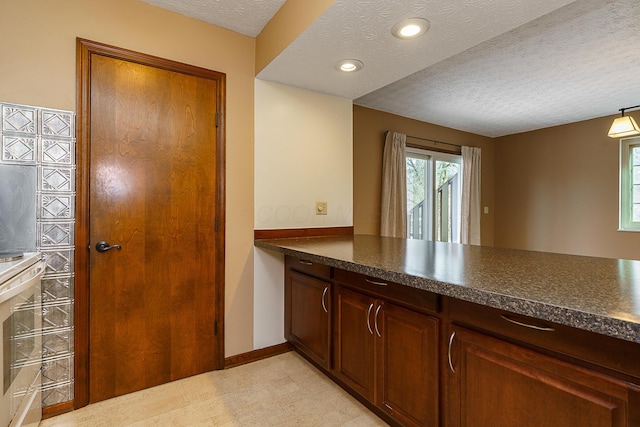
x: 375, y: 283
x: 527, y: 325
x: 375, y: 323
x: 368, y: 317
x: 324, y: 305
x: 305, y: 262
x: 453, y: 334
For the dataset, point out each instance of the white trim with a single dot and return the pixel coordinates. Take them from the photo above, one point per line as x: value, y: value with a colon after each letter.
x: 625, y: 194
x: 431, y: 157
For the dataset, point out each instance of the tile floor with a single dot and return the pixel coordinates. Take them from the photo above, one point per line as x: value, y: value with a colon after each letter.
x: 284, y: 390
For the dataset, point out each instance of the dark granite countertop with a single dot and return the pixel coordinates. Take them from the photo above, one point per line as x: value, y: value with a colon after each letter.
x: 596, y: 294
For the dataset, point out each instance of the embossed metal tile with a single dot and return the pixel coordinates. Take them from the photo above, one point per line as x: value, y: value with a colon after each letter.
x: 59, y: 289
x: 57, y: 370
x: 57, y: 123
x: 58, y: 261
x: 55, y: 315
x: 58, y: 393
x: 45, y: 138
x: 56, y: 206
x: 18, y: 149
x: 54, y: 151
x: 19, y: 118
x: 51, y: 234
x: 56, y: 179
x: 57, y: 343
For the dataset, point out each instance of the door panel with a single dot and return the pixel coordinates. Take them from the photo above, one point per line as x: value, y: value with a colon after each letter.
x: 308, y: 327
x: 407, y: 353
x: 153, y: 183
x: 354, y: 341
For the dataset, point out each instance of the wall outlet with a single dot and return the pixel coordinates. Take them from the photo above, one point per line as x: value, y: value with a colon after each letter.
x: 321, y: 208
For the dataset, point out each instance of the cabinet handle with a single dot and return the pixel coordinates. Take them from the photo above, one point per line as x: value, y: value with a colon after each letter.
x: 305, y: 262
x: 375, y: 322
x: 368, y: 317
x: 453, y: 334
x: 375, y: 283
x: 324, y: 293
x: 527, y: 325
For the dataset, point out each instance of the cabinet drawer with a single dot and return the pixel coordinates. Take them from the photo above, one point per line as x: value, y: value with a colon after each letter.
x: 308, y: 267
x: 501, y: 384
x: 414, y: 298
x: 608, y: 352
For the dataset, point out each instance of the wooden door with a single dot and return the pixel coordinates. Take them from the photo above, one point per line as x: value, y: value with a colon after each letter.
x: 407, y: 365
x: 307, y: 302
x: 154, y: 179
x: 499, y: 384
x: 354, y: 341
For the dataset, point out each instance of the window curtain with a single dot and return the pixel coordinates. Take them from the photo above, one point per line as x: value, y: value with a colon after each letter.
x: 393, y: 221
x: 470, y: 212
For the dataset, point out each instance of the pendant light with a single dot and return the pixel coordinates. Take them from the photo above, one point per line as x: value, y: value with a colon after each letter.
x: 624, y: 126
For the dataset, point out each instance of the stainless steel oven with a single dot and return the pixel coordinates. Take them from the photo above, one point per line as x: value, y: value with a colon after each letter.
x: 21, y: 355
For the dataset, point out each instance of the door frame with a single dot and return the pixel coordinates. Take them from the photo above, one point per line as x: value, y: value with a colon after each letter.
x: 85, y: 49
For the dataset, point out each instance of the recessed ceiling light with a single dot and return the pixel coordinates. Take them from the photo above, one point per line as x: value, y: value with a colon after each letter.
x: 349, y: 65
x: 410, y: 28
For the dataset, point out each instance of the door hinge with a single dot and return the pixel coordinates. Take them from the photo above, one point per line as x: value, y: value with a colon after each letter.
x: 215, y: 328
x: 216, y: 119
x: 216, y: 225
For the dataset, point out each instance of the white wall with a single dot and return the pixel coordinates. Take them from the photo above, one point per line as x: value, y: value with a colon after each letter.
x: 303, y: 154
x: 268, y: 316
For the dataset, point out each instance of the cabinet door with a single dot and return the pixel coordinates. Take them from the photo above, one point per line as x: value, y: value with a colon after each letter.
x: 407, y: 359
x: 307, y: 319
x: 500, y: 384
x: 353, y: 340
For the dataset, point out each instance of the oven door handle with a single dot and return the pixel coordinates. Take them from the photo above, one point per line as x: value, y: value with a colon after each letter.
x: 23, y: 286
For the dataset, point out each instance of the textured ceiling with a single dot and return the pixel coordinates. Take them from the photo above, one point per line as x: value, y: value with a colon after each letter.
x: 361, y: 29
x: 490, y: 67
x: 246, y: 17
x: 577, y: 63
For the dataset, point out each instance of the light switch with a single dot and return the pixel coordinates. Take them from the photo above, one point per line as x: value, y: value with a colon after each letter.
x: 321, y: 208
x: 486, y: 209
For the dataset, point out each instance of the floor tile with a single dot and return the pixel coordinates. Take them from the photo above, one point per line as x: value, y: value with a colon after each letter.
x: 283, y: 390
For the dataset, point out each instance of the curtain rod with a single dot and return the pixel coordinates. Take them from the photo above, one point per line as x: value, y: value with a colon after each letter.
x: 430, y: 140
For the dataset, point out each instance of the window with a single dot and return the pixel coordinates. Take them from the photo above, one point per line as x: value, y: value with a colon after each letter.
x: 630, y: 184
x: 433, y: 195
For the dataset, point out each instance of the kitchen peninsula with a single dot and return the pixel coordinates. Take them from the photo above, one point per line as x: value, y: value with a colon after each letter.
x: 431, y: 333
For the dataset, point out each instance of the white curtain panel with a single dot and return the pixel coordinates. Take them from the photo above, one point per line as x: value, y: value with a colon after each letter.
x: 470, y: 212
x: 393, y: 220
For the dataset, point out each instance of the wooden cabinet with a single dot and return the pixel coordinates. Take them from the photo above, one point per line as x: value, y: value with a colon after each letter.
x: 387, y: 354
x: 353, y: 340
x: 495, y: 383
x: 407, y: 365
x: 307, y: 311
x: 385, y: 342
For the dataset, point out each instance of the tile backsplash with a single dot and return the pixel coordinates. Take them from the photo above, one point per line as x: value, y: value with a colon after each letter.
x: 45, y: 138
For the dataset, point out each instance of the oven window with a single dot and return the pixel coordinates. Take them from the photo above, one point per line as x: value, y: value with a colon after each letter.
x: 18, y: 340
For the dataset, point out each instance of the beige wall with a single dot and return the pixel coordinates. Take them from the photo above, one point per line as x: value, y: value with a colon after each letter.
x: 557, y: 191
x: 286, y: 25
x: 368, y: 141
x: 37, y: 67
